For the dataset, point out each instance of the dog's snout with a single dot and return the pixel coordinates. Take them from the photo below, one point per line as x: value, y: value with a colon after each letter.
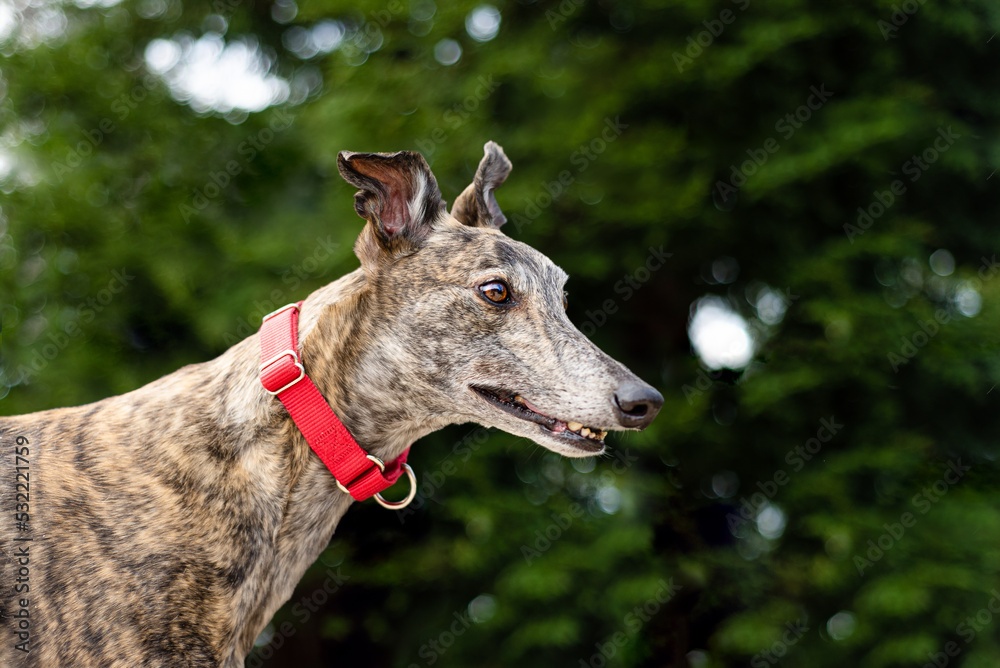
x: 636, y: 404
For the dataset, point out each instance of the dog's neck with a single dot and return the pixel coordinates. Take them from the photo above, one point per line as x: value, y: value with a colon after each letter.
x: 342, y: 354
x: 347, y: 349
x: 336, y: 325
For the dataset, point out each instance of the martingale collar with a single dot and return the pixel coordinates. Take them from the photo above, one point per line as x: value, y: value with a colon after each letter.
x: 281, y: 373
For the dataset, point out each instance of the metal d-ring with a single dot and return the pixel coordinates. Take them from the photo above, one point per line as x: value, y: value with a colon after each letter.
x: 399, y: 505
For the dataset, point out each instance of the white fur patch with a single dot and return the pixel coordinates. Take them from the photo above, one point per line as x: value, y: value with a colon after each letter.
x: 416, y: 204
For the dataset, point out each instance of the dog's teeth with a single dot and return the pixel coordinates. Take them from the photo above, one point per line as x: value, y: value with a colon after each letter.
x: 574, y: 426
x: 518, y: 399
x: 601, y: 434
x: 584, y: 432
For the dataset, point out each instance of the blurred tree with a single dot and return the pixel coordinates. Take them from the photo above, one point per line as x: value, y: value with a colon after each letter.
x: 823, y: 172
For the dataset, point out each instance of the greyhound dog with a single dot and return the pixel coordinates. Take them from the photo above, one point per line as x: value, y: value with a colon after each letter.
x: 164, y: 527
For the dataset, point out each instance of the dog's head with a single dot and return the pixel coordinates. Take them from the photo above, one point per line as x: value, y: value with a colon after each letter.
x: 474, y: 323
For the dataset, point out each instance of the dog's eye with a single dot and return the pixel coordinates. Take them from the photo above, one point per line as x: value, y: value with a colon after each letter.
x: 565, y: 300
x: 496, y: 292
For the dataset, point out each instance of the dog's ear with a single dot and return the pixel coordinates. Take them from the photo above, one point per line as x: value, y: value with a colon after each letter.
x: 398, y: 195
x: 477, y: 205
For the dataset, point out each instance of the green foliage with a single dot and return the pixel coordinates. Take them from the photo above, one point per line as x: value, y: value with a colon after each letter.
x: 487, y: 571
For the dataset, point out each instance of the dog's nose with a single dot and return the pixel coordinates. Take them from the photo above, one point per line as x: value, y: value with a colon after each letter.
x: 636, y: 404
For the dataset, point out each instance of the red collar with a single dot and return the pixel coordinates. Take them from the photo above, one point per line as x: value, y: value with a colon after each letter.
x: 281, y: 373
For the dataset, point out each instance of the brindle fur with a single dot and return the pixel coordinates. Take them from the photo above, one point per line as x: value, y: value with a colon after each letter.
x: 170, y: 523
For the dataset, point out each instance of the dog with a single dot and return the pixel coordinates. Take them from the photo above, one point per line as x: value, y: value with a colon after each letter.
x: 164, y: 527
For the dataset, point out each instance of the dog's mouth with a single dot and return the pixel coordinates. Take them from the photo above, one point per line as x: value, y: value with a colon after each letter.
x: 572, y: 433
